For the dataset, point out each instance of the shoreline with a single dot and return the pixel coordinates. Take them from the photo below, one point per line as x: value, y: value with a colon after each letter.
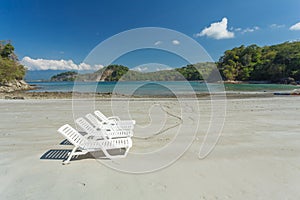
x: 35, y: 83
x: 21, y: 95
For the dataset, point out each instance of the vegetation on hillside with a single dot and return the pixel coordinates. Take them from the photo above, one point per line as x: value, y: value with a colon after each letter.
x: 122, y: 73
x: 114, y: 72
x: 10, y: 69
x: 254, y: 63
x: 65, y: 76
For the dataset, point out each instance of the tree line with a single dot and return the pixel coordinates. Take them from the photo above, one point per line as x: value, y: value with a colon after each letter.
x: 268, y: 63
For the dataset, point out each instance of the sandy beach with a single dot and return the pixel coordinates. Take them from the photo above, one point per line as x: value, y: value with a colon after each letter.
x: 256, y: 157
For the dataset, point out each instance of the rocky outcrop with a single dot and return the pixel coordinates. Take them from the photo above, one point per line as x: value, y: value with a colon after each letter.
x: 107, y: 73
x: 15, y: 85
x: 288, y: 80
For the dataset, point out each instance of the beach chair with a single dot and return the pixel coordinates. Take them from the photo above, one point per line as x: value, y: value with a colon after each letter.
x: 114, y: 126
x: 104, y: 132
x: 115, y: 121
x: 82, y: 145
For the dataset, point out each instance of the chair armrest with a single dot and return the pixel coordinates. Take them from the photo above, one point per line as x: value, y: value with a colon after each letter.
x: 114, y: 117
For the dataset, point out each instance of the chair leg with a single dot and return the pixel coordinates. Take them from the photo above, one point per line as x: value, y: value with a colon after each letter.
x: 122, y: 155
x: 107, y: 154
x: 83, y: 152
x: 126, y: 152
x: 70, y: 156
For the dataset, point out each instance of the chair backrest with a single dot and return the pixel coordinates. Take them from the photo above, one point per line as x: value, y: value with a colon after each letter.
x: 101, y: 116
x: 95, y: 122
x: 85, y: 126
x: 72, y: 135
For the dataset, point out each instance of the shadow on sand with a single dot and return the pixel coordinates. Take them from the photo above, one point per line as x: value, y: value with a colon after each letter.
x: 62, y: 154
x: 65, y: 142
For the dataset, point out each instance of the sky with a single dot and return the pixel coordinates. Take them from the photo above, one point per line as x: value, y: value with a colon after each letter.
x: 51, y: 34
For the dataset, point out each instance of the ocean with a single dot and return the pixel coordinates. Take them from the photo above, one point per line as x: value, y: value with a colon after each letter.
x: 155, y: 88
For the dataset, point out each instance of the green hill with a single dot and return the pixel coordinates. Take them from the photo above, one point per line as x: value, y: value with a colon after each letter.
x: 269, y: 63
x: 65, y: 76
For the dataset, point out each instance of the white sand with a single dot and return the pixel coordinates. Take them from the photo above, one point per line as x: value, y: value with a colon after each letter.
x: 257, y: 157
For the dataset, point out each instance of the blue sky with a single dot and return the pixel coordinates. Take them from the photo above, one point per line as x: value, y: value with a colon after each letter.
x: 68, y: 30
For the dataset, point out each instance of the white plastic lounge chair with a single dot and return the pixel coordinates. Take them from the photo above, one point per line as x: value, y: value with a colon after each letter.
x: 85, y: 145
x: 115, y: 121
x: 105, y: 132
x: 114, y: 126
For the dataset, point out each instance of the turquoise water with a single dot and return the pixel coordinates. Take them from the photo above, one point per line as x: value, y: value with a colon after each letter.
x: 155, y: 88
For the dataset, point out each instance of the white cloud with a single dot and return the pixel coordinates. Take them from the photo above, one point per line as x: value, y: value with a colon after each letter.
x: 43, y: 64
x: 238, y: 29
x: 97, y: 67
x: 157, y: 43
x: 277, y: 26
x: 296, y: 40
x: 151, y: 67
x: 163, y: 68
x: 175, y: 42
x: 295, y: 27
x: 250, y: 30
x: 140, y: 69
x: 217, y: 30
